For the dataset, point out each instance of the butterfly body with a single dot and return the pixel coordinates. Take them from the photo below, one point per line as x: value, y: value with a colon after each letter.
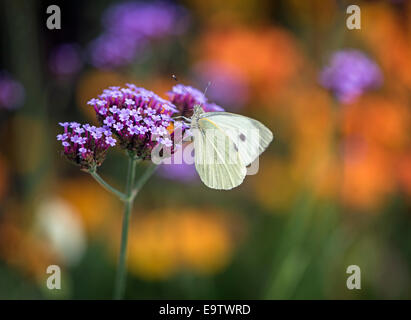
x: 224, y: 145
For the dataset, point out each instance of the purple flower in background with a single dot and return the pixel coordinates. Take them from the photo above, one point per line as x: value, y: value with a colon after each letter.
x: 156, y: 19
x: 182, y: 172
x: 179, y: 168
x: 349, y: 74
x: 129, y: 26
x: 186, y: 97
x: 139, y: 117
x: 227, y: 86
x: 66, y: 59
x: 113, y: 50
x: 211, y: 107
x: 11, y: 92
x: 88, y: 148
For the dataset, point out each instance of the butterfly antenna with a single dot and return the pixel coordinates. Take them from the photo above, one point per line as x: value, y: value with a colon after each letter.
x: 206, y: 88
x: 205, y: 91
x: 174, y: 77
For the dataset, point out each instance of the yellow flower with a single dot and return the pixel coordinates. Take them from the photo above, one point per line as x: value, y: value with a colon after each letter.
x: 164, y: 242
x: 97, y: 209
x: 25, y: 252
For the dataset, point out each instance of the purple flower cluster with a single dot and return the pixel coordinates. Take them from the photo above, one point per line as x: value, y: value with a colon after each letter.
x: 349, y: 74
x: 11, y: 92
x: 138, y: 117
x: 129, y: 26
x: 85, y: 145
x: 186, y: 97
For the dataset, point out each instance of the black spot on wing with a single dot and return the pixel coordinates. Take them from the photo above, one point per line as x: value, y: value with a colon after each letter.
x: 242, y: 137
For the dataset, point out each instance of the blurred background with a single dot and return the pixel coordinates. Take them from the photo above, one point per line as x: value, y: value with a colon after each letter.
x: 333, y: 189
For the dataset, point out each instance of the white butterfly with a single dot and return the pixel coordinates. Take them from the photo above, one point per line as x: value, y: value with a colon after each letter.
x: 224, y: 145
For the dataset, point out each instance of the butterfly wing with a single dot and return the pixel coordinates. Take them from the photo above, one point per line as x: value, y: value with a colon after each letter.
x: 216, y: 160
x: 250, y: 136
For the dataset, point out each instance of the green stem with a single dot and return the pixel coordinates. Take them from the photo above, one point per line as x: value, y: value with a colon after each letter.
x: 121, y: 269
x: 106, y: 186
x: 143, y: 179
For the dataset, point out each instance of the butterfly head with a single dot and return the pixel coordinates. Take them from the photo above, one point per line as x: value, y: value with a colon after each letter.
x: 198, y: 111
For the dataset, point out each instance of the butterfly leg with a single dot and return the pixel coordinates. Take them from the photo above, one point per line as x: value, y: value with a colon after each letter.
x: 182, y: 117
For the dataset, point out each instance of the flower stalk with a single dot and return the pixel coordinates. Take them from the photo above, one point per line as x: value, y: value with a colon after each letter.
x: 143, y: 179
x: 132, y: 189
x: 106, y: 186
x: 121, y: 268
